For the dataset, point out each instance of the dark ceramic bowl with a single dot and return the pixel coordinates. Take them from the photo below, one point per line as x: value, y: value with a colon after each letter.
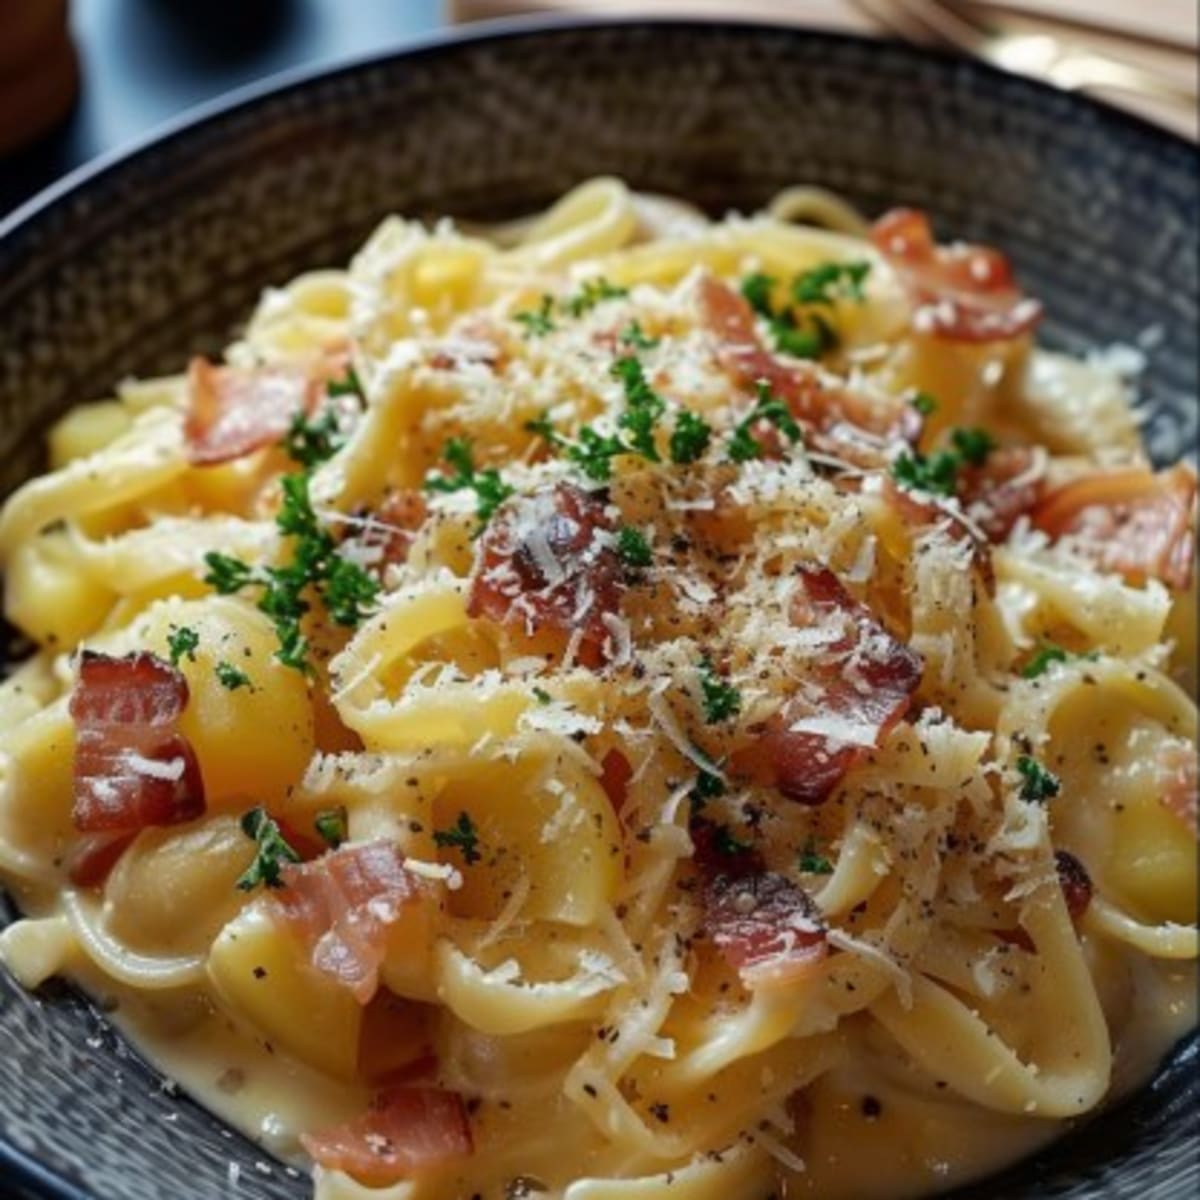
x: 137, y: 263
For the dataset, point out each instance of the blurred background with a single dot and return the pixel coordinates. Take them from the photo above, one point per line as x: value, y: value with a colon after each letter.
x: 82, y: 78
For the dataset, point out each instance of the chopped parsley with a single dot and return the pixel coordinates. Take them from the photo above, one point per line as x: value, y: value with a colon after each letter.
x: 591, y: 293
x: 757, y: 289
x: 689, y: 438
x: 725, y: 842
x: 1045, y: 654
x: 1038, y: 784
x: 316, y: 568
x: 490, y: 490
x: 541, y: 695
x: 182, y: 641
x: 743, y: 446
x: 330, y: 823
x: 924, y: 403
x: 230, y: 677
x: 707, y: 787
x: 721, y: 700
x: 273, y: 851
x: 643, y: 407
x: 635, y: 337
x: 811, y: 862
x: 310, y: 443
x: 593, y: 453
x: 348, y: 385
x: 829, y: 281
x: 537, y: 322
x: 937, y: 473
x: 463, y: 835
x: 633, y: 548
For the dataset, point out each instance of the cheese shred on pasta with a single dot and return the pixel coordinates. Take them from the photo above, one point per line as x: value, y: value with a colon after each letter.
x: 617, y: 706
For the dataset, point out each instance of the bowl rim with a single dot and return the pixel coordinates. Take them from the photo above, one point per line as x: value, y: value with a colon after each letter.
x: 463, y: 37
x: 34, y: 1178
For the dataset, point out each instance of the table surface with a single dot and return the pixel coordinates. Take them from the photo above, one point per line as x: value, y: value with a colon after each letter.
x: 145, y: 61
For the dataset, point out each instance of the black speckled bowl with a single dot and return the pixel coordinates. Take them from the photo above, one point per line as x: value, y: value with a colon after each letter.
x: 133, y: 265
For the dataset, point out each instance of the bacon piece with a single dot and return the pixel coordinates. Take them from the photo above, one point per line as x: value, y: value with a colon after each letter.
x: 1177, y: 778
x: 132, y: 767
x: 765, y: 926
x: 387, y: 534
x: 343, y: 905
x: 866, y: 678
x: 548, y: 561
x: 234, y: 410
x: 1075, y: 882
x: 615, y: 774
x: 1133, y: 521
x: 406, y: 1131
x: 810, y: 400
x: 963, y: 293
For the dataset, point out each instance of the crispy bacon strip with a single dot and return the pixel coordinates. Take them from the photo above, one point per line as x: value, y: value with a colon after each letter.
x: 406, y: 1131
x: 548, y: 561
x: 132, y: 767
x: 811, y: 401
x: 765, y: 926
x: 233, y: 410
x: 342, y: 906
x: 387, y: 533
x: 962, y: 293
x: 867, y: 679
x: 1132, y: 521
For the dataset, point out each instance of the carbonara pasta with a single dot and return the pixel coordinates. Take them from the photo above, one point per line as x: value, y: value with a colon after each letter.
x: 617, y: 706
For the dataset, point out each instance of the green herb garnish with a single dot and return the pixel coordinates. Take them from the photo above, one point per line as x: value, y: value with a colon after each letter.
x: 707, y: 787
x: 490, y: 490
x: 591, y: 293
x: 311, y: 443
x: 828, y: 281
x: 1038, y: 784
x: 937, y: 473
x: 811, y: 862
x: 538, y: 322
x: 182, y: 641
x: 633, y: 548
x: 742, y: 444
x: 273, y: 851
x: 230, y: 677
x: 721, y: 700
x: 541, y: 695
x: 689, y: 438
x: 463, y: 835
x: 924, y: 403
x: 348, y: 385
x: 725, y: 842
x: 1047, y: 653
x: 643, y: 407
x: 331, y: 824
x: 634, y: 337
x: 973, y: 445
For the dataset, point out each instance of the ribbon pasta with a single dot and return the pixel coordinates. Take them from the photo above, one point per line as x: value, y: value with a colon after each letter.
x: 649, y: 738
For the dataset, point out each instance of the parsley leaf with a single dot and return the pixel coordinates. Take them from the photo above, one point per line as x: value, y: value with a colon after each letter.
x: 725, y: 842
x: 226, y: 574
x: 490, y: 490
x: 537, y: 322
x: 230, y: 677
x: 633, y: 548
x: 936, y: 473
x: 828, y: 281
x: 689, y: 438
x: 1038, y: 784
x: 634, y: 337
x: 973, y: 445
x: 463, y: 835
x: 182, y: 641
x: 757, y: 290
x: 541, y: 695
x: 812, y: 862
x: 594, y: 452
x: 643, y: 407
x: 273, y: 851
x: 544, y: 429
x: 591, y: 293
x: 721, y: 700
x: 924, y: 403
x: 330, y: 823
x: 743, y: 446
x: 349, y: 385
x: 1047, y: 653
x: 707, y: 787
x: 312, y: 442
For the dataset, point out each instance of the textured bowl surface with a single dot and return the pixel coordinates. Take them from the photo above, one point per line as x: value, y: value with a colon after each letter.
x: 135, y: 266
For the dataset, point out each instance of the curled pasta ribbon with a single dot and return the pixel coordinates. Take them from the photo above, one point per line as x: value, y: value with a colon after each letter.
x: 35, y: 948
x: 1068, y: 1070
x: 740, y: 1170
x: 312, y: 310
x: 118, y: 961
x: 448, y: 712
x: 132, y: 466
x: 1158, y: 941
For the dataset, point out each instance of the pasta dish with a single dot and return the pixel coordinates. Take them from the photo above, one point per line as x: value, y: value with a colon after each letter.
x: 617, y: 705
